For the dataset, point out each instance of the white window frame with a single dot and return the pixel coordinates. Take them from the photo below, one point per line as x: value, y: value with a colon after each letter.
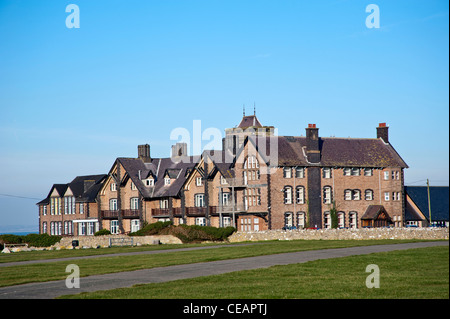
x: 287, y: 195
x: 113, y: 187
x: 287, y: 172
x: 200, y: 221
x: 113, y: 227
x: 386, y: 196
x: 198, y: 181
x: 113, y: 204
x: 135, y: 225
x: 199, y: 200
x: 386, y: 175
x: 134, y: 203
x: 166, y: 181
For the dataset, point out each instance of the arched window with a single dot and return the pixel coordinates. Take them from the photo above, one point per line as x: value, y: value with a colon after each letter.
x: 327, y: 197
x: 288, y: 220
x: 368, y: 194
x: 353, y: 219
x: 287, y: 194
x: 301, y: 220
x: 300, y: 195
x: 341, y: 219
x: 327, y: 220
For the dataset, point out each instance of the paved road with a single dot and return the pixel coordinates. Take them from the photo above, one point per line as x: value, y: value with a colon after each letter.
x: 54, y: 289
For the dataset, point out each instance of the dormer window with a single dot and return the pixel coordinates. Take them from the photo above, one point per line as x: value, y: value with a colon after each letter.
x: 149, y: 182
x: 166, y: 181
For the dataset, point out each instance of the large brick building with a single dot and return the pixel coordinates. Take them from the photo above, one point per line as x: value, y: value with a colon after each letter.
x: 257, y: 181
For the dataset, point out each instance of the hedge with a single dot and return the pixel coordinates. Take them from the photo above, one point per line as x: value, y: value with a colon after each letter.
x: 35, y: 240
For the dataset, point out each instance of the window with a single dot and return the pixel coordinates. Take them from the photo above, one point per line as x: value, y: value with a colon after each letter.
x: 81, y: 208
x: 301, y: 220
x: 82, y: 229
x: 326, y: 172
x: 199, y: 200
x: 327, y: 220
x: 348, y: 194
x: 356, y: 194
x: 300, y: 194
x: 68, y: 228
x: 368, y: 171
x: 386, y: 196
x: 251, y: 170
x: 135, y: 225
x: 347, y: 171
x: 395, y: 175
x: 52, y: 206
x: 225, y: 199
x: 90, y: 228
x: 226, y: 221
x: 114, y: 227
x: 287, y: 195
x: 44, y: 210
x: 287, y: 172
x: 395, y: 195
x: 200, y: 221
x: 113, y: 204
x: 113, y: 187
x: 353, y: 218
x: 223, y: 180
x: 163, y: 203
x: 355, y: 171
x: 44, y: 227
x: 386, y: 175
x: 133, y: 187
x: 251, y: 162
x: 134, y: 203
x: 167, y: 181
x: 198, y: 181
x: 288, y: 220
x: 300, y: 172
x: 368, y: 194
x: 341, y: 219
x: 327, y: 195
x: 256, y: 224
x: 150, y: 182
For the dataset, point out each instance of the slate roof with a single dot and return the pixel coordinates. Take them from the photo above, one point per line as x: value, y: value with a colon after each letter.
x: 77, y: 188
x: 439, y: 197
x: 249, y: 121
x: 158, y: 167
x: 335, y: 152
x: 373, y: 211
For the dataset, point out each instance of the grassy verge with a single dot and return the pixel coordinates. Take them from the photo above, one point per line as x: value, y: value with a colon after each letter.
x: 410, y: 274
x: 15, y: 275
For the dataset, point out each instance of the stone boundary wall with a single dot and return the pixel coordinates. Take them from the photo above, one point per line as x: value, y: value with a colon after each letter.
x: 103, y: 241
x: 336, y: 234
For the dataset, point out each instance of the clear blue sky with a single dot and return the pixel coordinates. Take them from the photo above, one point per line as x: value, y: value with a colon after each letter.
x: 72, y: 100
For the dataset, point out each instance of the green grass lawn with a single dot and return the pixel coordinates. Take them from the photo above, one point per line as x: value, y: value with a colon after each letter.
x: 409, y: 274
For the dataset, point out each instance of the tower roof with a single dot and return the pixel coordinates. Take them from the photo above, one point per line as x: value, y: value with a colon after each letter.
x: 249, y: 121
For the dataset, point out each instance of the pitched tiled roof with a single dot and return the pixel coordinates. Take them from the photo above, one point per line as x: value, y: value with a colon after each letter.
x: 335, y: 152
x: 248, y: 121
x: 77, y: 188
x: 159, y: 167
x: 373, y: 211
x: 439, y: 197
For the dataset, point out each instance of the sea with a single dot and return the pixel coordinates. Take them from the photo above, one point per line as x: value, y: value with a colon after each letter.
x: 19, y: 233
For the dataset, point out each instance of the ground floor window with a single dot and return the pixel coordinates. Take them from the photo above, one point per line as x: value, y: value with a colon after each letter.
x: 226, y: 221
x: 341, y: 219
x: 114, y: 227
x: 55, y: 228
x: 353, y: 219
x: 288, y: 220
x: 200, y: 221
x: 301, y: 220
x: 327, y: 220
x: 68, y: 228
x: 44, y: 227
x: 135, y: 225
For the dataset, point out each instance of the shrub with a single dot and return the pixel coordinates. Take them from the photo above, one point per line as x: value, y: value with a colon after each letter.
x: 152, y: 229
x: 102, y: 232
x: 36, y: 240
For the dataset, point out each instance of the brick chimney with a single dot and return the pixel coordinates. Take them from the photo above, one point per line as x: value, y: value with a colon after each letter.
x: 144, y: 153
x: 383, y: 132
x: 312, y: 143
